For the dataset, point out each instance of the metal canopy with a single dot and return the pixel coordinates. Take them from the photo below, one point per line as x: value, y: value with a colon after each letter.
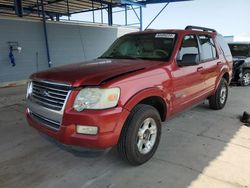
x: 51, y: 7
x: 56, y: 8
x: 145, y: 2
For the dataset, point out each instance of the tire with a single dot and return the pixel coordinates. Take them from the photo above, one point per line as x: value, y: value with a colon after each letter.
x: 143, y: 127
x: 245, y: 80
x: 219, y: 99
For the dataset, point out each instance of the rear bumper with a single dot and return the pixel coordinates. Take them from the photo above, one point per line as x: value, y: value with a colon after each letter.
x: 109, y: 123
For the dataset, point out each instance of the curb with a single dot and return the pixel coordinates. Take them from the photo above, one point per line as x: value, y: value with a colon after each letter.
x: 13, y: 83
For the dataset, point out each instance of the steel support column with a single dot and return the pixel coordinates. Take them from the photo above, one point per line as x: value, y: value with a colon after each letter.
x: 46, y: 35
x: 126, y: 15
x: 18, y: 7
x: 93, y: 12
x: 101, y: 13
x: 140, y: 18
x: 110, y: 16
x: 57, y: 18
x: 68, y: 10
x: 157, y: 15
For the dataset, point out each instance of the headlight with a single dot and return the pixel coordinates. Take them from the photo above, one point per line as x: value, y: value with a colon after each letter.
x: 96, y: 98
x: 29, y: 89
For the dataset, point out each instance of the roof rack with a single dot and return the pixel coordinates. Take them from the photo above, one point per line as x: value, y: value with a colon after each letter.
x: 191, y: 27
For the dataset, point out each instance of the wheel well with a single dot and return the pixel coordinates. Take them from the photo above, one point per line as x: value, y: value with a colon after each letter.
x: 226, y: 76
x: 158, y: 103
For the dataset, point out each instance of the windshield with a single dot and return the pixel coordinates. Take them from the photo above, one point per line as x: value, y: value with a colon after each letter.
x: 240, y: 49
x: 153, y: 46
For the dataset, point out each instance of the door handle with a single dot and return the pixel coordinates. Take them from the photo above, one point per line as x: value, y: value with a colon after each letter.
x: 219, y: 63
x: 199, y: 69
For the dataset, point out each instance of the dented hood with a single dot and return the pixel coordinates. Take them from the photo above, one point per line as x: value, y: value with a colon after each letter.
x: 92, y: 72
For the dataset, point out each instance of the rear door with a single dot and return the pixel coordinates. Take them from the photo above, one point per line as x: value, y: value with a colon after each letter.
x: 209, y: 61
x: 188, y: 83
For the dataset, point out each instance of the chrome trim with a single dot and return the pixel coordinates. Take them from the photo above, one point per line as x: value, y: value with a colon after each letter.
x: 50, y: 95
x: 53, y: 94
x: 50, y: 115
x: 53, y: 83
x: 43, y: 111
x: 47, y: 99
x: 46, y: 112
x: 66, y: 100
x: 45, y: 121
x: 46, y: 104
x: 47, y: 87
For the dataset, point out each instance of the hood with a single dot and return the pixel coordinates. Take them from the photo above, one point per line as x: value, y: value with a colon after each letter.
x: 239, y: 58
x: 92, y: 72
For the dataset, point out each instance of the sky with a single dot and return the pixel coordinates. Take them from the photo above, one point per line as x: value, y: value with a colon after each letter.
x: 228, y: 17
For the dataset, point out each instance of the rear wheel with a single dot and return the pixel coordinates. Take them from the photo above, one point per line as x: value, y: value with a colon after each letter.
x: 219, y: 99
x: 245, y: 78
x: 140, y: 135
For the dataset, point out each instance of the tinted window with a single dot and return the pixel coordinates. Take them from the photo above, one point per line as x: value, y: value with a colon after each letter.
x: 208, y: 51
x: 224, y: 47
x: 189, y: 46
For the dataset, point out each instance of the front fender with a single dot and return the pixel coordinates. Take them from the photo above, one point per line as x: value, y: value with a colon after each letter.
x: 132, y: 102
x: 143, y: 94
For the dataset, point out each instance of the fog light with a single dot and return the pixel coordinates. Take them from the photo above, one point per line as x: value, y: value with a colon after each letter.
x: 83, y: 129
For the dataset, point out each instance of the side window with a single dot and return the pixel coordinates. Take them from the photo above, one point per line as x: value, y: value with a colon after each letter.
x: 208, y: 50
x: 189, y: 47
x: 224, y: 47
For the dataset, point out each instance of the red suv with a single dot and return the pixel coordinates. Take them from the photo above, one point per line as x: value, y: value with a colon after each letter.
x: 122, y: 97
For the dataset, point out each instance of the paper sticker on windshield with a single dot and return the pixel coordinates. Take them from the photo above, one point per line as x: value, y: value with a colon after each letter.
x: 165, y: 35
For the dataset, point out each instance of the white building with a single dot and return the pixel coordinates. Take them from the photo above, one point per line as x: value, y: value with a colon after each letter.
x: 233, y: 38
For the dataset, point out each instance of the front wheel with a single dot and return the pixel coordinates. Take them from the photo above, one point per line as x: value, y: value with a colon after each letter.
x: 140, y: 135
x: 219, y: 99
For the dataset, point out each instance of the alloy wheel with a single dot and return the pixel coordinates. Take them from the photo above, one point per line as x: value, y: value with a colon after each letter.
x: 146, y: 136
x: 246, y: 78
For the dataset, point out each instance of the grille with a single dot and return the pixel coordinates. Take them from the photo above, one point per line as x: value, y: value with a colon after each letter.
x: 45, y: 121
x: 50, y: 95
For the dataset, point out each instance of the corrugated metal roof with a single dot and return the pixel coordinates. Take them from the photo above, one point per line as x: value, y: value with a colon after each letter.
x: 32, y: 8
x: 145, y: 2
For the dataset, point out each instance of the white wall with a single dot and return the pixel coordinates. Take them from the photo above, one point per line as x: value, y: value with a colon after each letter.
x: 69, y: 43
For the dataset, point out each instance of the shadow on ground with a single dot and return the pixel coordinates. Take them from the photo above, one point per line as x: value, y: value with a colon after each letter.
x: 199, y: 148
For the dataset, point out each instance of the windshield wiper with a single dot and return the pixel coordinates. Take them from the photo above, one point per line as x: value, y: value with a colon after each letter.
x: 125, y: 57
x: 119, y: 57
x: 105, y: 57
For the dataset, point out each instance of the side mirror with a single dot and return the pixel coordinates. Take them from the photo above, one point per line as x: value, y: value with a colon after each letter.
x: 189, y: 60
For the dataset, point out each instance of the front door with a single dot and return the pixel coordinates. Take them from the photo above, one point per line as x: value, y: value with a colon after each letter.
x: 188, y: 82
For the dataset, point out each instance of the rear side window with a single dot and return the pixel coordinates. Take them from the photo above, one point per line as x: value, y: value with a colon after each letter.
x: 208, y: 50
x: 189, y: 46
x: 224, y: 47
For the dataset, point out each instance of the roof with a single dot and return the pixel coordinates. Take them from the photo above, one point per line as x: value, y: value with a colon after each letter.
x: 188, y: 29
x: 32, y: 8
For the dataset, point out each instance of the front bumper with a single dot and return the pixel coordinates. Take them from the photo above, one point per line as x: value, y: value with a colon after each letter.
x: 109, y: 123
